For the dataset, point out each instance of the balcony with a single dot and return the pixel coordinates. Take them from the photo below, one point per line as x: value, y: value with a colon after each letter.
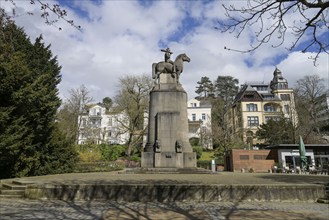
x: 97, y: 115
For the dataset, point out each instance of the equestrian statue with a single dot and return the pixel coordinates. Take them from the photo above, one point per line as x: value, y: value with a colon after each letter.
x: 168, y: 66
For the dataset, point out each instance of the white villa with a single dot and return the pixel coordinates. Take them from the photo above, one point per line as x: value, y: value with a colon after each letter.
x: 199, y: 122
x: 98, y: 125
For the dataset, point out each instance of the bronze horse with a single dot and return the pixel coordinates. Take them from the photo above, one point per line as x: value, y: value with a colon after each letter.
x: 166, y: 67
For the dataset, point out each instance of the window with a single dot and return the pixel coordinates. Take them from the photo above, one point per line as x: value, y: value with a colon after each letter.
x: 259, y: 157
x: 203, y: 116
x: 244, y: 157
x: 261, y: 88
x: 253, y: 121
x: 95, y: 123
x: 285, y: 97
x: 252, y: 107
x: 269, y: 108
x: 249, y: 96
x: 193, y: 117
x: 286, y: 109
x: 110, y: 122
x: 273, y: 118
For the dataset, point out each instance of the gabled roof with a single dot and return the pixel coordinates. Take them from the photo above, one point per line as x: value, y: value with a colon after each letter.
x: 247, y: 90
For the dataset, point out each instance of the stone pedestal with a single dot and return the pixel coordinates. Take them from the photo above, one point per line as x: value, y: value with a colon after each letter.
x: 167, y: 142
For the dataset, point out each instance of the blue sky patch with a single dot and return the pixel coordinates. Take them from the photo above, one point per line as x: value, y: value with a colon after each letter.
x: 73, y: 5
x: 145, y: 3
x: 188, y: 25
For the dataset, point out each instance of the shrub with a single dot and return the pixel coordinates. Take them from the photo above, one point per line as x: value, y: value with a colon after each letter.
x: 89, y: 153
x: 198, y: 150
x: 206, y: 164
x: 90, y: 156
x: 194, y: 141
x: 135, y: 157
x: 112, y: 152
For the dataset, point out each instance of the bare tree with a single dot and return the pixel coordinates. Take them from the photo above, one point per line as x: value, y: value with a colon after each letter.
x: 308, y: 90
x: 312, y: 20
x: 47, y: 10
x: 133, y: 98
x: 73, y: 107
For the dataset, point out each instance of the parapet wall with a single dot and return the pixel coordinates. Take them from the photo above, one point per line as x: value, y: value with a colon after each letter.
x: 166, y: 193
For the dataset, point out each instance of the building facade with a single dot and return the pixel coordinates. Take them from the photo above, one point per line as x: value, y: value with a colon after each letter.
x: 238, y: 160
x: 98, y: 125
x: 199, y: 122
x: 287, y: 156
x: 282, y: 158
x: 258, y: 102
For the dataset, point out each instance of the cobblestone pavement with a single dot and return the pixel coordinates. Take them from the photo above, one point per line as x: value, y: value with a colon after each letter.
x: 15, y: 209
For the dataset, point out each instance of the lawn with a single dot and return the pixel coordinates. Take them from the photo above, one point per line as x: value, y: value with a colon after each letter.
x: 207, y: 155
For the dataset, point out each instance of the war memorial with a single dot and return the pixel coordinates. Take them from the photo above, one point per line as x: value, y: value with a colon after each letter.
x: 168, y: 185
x: 167, y: 140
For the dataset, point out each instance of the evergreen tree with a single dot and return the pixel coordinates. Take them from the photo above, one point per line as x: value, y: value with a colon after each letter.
x: 226, y: 88
x: 277, y: 132
x: 29, y: 75
x: 205, y: 88
x: 107, y: 102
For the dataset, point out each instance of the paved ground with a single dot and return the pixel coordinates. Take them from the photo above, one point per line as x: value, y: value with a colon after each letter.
x: 226, y: 178
x: 106, y: 210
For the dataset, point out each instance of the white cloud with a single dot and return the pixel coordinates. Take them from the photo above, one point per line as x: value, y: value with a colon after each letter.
x: 297, y: 65
x: 123, y: 37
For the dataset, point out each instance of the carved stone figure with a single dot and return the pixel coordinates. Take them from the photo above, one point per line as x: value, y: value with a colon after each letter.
x: 167, y: 58
x: 179, y: 146
x: 157, y: 146
x: 168, y: 68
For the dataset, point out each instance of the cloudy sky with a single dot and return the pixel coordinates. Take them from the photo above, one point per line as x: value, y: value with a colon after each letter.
x: 124, y: 37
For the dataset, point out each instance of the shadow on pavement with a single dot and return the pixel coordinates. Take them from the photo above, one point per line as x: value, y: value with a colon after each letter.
x: 297, y: 178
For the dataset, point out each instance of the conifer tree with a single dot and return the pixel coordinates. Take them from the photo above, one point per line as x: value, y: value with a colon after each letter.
x: 205, y: 88
x: 29, y: 75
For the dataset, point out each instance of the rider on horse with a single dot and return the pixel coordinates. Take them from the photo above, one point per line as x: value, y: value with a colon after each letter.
x: 168, y: 60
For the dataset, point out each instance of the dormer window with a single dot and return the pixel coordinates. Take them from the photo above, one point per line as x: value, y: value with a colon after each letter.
x: 249, y: 96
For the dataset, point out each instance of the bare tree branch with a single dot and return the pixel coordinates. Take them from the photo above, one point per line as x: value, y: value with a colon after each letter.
x: 48, y: 9
x: 314, y: 18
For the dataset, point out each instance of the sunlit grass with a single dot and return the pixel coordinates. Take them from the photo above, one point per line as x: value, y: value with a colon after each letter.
x: 207, y: 155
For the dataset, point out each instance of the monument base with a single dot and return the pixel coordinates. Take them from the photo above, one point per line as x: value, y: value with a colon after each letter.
x: 168, y: 160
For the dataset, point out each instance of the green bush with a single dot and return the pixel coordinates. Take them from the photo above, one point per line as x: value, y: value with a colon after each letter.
x: 135, y: 157
x: 206, y: 164
x: 194, y: 141
x: 198, y: 150
x: 111, y: 152
x: 89, y: 153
